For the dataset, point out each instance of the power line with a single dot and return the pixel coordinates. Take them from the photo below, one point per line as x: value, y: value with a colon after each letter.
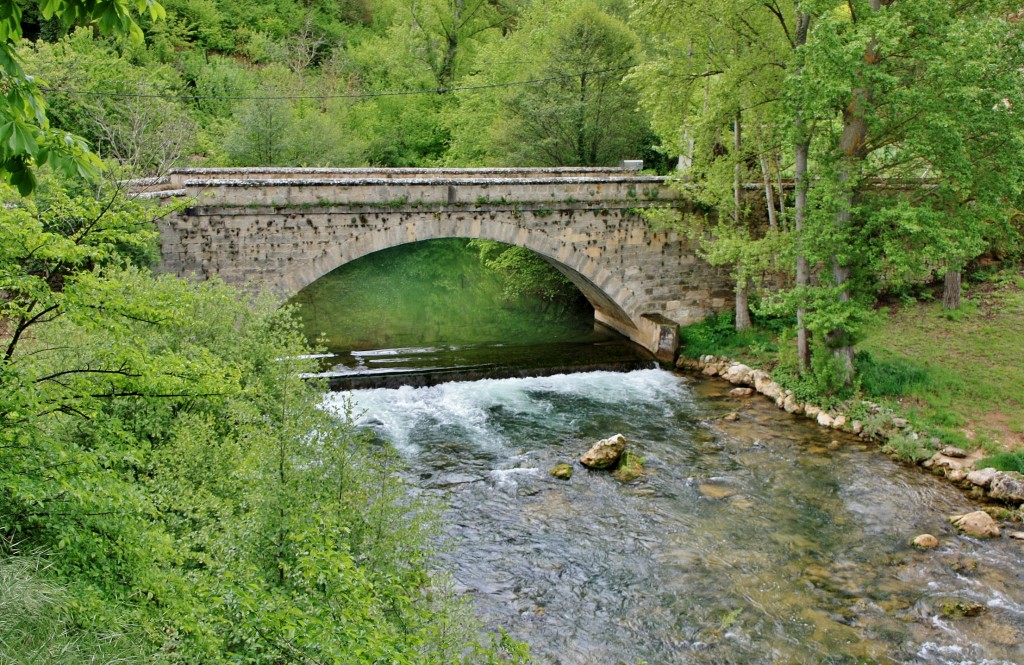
x: 353, y: 95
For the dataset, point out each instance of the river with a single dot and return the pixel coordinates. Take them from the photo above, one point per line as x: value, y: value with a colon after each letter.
x: 754, y: 541
x: 761, y: 540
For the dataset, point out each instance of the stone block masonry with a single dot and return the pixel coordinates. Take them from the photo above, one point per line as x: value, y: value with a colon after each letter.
x: 261, y: 231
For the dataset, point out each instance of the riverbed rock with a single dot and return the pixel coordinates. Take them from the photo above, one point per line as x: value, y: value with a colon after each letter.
x: 856, y: 427
x: 839, y: 422
x: 953, y: 451
x: 940, y: 461
x: 812, y: 411
x: 825, y: 420
x: 956, y: 475
x: 792, y: 405
x: 760, y: 378
x: 978, y: 524
x: 562, y: 471
x: 981, y: 477
x: 605, y: 453
x: 714, y: 491
x: 1007, y: 486
x: 956, y: 608
x: 452, y: 479
x: 1016, y: 535
x: 926, y: 541
x: 738, y: 374
x: 731, y: 417
x: 741, y: 392
x: 770, y: 389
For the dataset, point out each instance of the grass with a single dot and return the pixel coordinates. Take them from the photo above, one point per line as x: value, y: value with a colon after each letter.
x: 958, y: 373
x: 36, y: 627
x: 716, y: 335
x: 1004, y: 461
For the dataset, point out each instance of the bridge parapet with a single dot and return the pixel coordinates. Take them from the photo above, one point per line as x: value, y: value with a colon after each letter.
x: 379, y: 187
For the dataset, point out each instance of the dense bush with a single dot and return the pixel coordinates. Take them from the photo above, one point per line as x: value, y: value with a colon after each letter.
x: 160, y: 453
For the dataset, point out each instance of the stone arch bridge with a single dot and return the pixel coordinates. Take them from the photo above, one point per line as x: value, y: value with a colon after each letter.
x: 281, y: 229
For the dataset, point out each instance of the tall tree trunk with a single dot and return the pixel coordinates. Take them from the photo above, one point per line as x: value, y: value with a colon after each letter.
x: 951, y: 292
x: 803, y: 270
x: 853, y: 146
x: 742, y: 307
x: 769, y: 194
x: 737, y: 192
x: 776, y: 162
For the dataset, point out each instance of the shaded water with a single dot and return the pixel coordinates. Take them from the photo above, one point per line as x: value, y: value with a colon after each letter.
x: 430, y: 311
x: 430, y: 294
x: 745, y: 542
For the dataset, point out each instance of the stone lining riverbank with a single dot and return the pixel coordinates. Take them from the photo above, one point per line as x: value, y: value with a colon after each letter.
x: 878, y: 424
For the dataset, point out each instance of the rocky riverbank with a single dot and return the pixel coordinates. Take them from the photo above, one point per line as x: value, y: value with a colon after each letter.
x: 873, y: 422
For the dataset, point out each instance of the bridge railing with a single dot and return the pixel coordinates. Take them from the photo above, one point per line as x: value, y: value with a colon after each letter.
x: 398, y: 187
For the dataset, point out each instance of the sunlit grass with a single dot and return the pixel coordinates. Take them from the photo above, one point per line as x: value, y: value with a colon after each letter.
x: 958, y: 372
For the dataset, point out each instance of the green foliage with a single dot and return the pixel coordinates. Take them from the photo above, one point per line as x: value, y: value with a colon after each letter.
x: 905, y: 447
x: 578, y: 111
x: 157, y: 440
x: 26, y: 138
x: 1003, y: 461
x: 717, y: 335
x: 526, y: 273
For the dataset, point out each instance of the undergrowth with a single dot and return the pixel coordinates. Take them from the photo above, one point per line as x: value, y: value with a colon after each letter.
x: 1004, y: 461
x: 717, y: 335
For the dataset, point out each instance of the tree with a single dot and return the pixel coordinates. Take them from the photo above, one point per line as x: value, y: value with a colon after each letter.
x: 26, y: 139
x: 713, y: 86
x: 99, y: 94
x: 580, y: 112
x: 916, y: 93
x: 445, y: 30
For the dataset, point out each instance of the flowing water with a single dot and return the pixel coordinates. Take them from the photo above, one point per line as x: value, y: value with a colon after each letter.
x: 754, y: 541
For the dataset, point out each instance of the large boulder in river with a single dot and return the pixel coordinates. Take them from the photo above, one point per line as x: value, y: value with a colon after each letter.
x: 1007, y: 486
x: 605, y: 453
x: 978, y: 524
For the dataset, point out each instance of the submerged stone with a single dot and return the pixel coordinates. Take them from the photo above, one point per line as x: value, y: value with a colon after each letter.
x: 926, y: 541
x: 562, y: 471
x: 713, y: 491
x: 955, y: 608
x: 978, y: 524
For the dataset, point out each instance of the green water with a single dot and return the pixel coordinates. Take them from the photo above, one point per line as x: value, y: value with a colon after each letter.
x: 431, y: 294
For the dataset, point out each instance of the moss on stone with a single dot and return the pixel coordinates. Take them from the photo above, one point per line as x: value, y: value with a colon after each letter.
x: 563, y: 471
x: 631, y: 467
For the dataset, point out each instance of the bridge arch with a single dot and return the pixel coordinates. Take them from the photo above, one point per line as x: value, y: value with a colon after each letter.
x: 603, y: 290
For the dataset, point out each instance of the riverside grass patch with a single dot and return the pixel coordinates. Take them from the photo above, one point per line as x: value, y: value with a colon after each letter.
x: 955, y: 374
x: 717, y: 335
